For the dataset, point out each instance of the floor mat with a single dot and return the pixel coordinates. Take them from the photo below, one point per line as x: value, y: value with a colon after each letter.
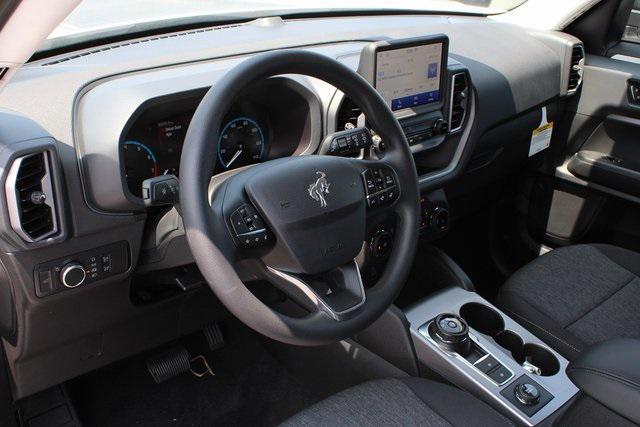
x: 250, y: 388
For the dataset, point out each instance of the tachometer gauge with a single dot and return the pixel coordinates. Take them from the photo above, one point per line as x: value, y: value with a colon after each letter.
x: 241, y: 143
x: 139, y: 164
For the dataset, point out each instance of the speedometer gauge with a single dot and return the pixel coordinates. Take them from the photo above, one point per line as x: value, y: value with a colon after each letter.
x: 140, y: 164
x: 241, y: 143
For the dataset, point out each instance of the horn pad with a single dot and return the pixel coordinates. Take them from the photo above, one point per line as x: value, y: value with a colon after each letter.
x: 315, y: 206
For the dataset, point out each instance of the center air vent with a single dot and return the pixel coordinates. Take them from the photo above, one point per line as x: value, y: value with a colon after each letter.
x: 576, y: 70
x: 30, y: 197
x: 458, y: 101
x: 347, y: 117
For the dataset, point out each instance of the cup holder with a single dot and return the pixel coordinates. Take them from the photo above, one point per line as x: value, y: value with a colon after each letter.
x: 486, y: 320
x: 533, y: 354
x: 482, y: 318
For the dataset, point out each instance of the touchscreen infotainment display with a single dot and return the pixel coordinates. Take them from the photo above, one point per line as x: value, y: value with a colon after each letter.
x: 409, y: 76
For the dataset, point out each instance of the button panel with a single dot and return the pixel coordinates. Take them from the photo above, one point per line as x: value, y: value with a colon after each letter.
x: 347, y: 143
x: 380, y: 186
x: 98, y: 264
x: 249, y: 228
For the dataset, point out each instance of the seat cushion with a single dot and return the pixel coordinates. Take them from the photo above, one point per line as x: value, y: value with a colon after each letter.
x: 399, y: 402
x: 576, y: 296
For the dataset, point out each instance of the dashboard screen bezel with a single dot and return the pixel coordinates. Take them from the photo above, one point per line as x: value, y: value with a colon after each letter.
x: 368, y: 65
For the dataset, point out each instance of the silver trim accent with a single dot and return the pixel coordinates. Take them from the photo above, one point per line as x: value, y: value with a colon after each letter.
x: 68, y: 269
x: 464, y: 115
x: 450, y: 300
x: 464, y: 138
x: 580, y: 69
x: 424, y: 331
x: 317, y: 301
x: 13, y: 198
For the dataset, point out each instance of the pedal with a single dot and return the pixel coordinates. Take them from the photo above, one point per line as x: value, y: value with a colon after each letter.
x: 170, y: 364
x: 213, y: 334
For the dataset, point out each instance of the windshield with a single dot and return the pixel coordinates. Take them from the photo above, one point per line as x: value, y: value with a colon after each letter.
x: 98, y: 19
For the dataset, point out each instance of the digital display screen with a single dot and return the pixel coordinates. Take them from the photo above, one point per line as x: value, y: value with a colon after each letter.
x: 409, y: 76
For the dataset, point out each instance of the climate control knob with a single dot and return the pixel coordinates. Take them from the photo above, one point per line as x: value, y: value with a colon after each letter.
x: 72, y: 275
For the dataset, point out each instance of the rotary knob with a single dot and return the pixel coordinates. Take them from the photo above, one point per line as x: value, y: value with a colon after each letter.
x: 527, y: 394
x: 72, y: 275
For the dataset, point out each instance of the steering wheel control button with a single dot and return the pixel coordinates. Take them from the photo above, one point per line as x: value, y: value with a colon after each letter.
x: 72, y: 275
x: 346, y: 143
x: 249, y: 227
x: 380, y: 186
x: 527, y: 394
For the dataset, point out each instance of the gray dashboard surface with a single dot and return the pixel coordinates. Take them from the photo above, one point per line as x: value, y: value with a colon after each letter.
x: 499, y: 55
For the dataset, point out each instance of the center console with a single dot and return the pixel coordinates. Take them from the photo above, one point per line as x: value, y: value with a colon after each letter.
x: 477, y: 347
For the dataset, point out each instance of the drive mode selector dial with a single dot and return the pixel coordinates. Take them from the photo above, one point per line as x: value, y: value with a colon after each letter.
x: 527, y: 394
x: 72, y: 275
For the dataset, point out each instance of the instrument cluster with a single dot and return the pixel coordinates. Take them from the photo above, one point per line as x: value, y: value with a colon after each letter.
x: 268, y: 122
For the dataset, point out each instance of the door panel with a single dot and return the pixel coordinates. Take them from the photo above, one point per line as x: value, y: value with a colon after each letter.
x: 592, y: 193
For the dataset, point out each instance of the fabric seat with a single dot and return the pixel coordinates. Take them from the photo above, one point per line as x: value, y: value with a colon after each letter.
x: 577, y: 296
x: 400, y: 402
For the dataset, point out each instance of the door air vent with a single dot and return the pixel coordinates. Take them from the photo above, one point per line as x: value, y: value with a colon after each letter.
x: 347, y: 117
x: 30, y: 198
x: 458, y: 101
x: 576, y: 70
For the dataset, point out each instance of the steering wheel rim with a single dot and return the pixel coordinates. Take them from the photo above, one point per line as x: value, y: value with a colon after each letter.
x: 201, y: 225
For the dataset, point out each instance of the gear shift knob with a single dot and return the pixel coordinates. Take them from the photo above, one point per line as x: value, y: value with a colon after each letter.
x: 451, y: 333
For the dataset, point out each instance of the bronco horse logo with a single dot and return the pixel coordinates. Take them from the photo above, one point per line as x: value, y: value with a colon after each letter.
x: 319, y: 189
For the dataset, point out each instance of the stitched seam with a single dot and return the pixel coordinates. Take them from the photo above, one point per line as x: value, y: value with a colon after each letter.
x: 607, y: 375
x: 542, y: 329
x: 633, y: 277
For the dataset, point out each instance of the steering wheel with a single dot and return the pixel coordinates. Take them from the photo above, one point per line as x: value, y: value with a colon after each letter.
x: 298, y: 222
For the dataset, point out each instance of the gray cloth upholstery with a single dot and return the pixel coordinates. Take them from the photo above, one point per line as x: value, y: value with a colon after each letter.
x: 399, y: 402
x: 576, y: 296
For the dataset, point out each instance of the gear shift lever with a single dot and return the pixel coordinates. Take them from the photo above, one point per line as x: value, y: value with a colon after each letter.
x: 451, y: 333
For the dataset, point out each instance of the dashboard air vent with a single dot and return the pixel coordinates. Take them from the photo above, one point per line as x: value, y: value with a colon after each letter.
x: 458, y: 101
x: 29, y: 189
x: 577, y: 65
x: 347, y: 117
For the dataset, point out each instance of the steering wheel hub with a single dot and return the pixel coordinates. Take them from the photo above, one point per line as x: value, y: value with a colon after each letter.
x: 315, y: 206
